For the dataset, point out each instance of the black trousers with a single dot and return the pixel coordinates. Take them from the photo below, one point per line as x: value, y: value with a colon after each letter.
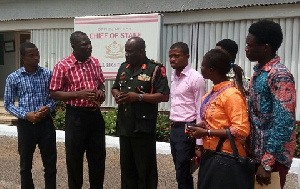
x: 85, y: 133
x: 138, y: 162
x: 41, y: 134
x: 182, y: 150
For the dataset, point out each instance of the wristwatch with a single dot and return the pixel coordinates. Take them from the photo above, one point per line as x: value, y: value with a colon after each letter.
x: 140, y: 97
x: 266, y: 167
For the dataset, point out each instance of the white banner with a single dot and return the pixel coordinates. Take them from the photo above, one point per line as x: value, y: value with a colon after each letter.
x: 109, y: 34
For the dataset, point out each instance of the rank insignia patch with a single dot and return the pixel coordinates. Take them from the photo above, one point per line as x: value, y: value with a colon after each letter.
x: 144, y: 77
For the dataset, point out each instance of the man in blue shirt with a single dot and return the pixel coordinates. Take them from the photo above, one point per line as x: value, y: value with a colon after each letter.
x: 30, y: 85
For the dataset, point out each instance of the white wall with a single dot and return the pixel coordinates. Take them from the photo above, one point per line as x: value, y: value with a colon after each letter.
x: 53, y: 44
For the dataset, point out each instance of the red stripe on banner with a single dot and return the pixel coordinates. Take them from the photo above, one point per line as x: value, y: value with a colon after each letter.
x: 115, y: 18
x: 110, y: 75
x: 120, y: 21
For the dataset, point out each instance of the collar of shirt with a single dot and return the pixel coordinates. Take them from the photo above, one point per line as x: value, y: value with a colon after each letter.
x: 184, y: 72
x: 267, y: 67
x: 220, y: 85
x: 23, y: 71
x: 143, y: 65
x: 74, y: 60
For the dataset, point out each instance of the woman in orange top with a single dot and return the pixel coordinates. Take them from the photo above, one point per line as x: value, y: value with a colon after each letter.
x: 224, y: 106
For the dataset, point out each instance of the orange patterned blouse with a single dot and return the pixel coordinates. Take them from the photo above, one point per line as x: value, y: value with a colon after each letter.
x: 224, y: 106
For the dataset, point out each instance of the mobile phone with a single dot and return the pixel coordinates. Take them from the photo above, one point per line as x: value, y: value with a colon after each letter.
x: 187, y: 126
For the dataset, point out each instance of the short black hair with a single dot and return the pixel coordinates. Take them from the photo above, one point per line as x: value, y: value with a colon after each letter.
x: 267, y: 32
x: 220, y: 60
x: 230, y: 46
x: 25, y: 46
x: 181, y: 45
x: 74, y: 36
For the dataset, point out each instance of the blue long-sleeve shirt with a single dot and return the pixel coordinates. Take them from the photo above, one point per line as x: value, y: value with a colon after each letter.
x: 31, y: 90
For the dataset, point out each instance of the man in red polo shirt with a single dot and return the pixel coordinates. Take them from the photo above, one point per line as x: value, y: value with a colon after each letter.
x: 78, y: 81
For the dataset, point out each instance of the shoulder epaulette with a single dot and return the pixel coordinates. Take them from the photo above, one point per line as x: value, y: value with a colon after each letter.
x: 123, y: 64
x: 156, y: 62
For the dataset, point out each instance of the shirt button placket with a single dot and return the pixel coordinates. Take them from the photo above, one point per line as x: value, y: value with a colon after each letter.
x: 34, y: 93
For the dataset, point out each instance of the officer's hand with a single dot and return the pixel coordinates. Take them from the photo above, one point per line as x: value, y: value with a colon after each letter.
x: 31, y: 116
x: 132, y: 97
x: 117, y: 97
x: 100, y: 97
x: 128, y: 97
x: 86, y: 94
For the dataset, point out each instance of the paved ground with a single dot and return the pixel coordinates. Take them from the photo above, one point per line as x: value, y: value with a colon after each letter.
x: 9, y: 169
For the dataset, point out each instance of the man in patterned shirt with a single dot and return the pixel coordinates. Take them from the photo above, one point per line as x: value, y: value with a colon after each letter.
x: 30, y: 84
x: 271, y: 103
x: 78, y: 80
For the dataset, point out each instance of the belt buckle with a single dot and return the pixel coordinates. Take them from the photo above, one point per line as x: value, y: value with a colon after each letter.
x: 94, y: 109
x: 172, y: 124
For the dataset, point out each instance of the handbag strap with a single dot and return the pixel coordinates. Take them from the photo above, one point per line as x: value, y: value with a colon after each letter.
x: 220, y: 144
x: 232, y: 143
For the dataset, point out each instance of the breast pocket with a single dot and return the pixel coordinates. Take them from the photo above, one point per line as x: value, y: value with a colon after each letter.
x: 143, y: 86
x: 25, y: 88
x: 145, y: 115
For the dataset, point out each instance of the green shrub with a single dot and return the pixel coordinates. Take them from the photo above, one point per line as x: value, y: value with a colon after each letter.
x: 110, y: 117
x: 163, y: 127
x: 59, y: 115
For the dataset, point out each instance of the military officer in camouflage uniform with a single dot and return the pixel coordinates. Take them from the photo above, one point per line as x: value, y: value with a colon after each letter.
x: 139, y: 86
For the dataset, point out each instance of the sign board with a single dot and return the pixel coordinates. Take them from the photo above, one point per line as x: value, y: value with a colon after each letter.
x: 109, y: 34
